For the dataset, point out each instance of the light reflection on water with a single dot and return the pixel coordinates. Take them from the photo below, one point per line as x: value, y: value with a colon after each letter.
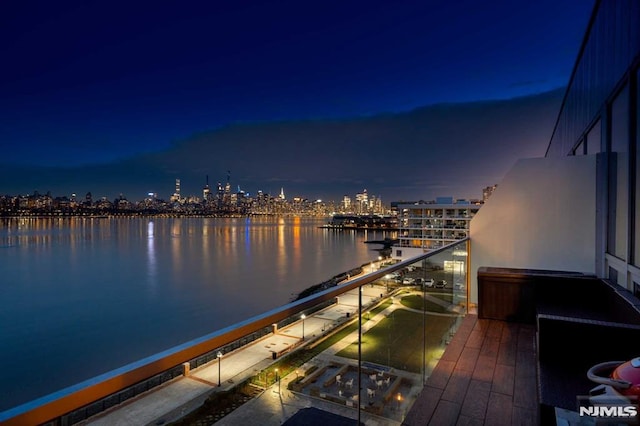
x: 151, y: 256
x: 85, y: 296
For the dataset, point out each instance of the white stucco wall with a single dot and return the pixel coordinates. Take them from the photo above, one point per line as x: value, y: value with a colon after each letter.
x: 407, y: 252
x: 542, y: 216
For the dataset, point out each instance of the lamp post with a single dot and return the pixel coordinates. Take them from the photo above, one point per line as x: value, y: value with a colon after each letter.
x: 359, y: 351
x: 303, y: 316
x: 278, y: 379
x: 424, y: 334
x: 219, y: 355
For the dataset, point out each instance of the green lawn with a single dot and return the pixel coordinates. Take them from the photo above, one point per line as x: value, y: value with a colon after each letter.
x: 415, y: 302
x: 397, y: 340
x: 447, y: 297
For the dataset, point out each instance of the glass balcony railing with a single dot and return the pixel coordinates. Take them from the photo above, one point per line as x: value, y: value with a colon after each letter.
x: 407, y: 317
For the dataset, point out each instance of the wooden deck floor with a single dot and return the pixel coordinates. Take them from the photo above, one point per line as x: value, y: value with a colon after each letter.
x: 487, y: 376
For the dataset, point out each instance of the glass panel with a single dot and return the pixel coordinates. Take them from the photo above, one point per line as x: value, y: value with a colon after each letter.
x: 613, y: 275
x: 594, y: 139
x: 598, y: 71
x: 408, y: 318
x: 618, y: 177
x: 636, y: 245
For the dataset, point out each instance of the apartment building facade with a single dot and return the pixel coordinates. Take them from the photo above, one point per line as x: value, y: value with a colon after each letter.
x: 427, y: 226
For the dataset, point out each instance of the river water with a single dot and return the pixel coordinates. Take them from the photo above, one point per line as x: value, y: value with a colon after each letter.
x: 80, y: 297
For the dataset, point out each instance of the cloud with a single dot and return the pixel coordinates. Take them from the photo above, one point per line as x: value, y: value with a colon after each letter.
x: 421, y: 153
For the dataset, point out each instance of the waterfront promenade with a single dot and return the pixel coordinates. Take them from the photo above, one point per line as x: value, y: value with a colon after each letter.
x: 182, y: 395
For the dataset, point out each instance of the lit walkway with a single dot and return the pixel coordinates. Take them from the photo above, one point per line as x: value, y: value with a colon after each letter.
x: 180, y: 396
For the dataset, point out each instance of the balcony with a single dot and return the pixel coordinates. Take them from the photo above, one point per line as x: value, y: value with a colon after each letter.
x: 524, y: 359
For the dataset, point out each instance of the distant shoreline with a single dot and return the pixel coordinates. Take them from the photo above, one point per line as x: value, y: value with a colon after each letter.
x: 332, y: 282
x: 144, y: 214
x: 358, y: 228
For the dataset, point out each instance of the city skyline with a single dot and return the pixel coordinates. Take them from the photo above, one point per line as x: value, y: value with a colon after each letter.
x: 215, y: 200
x: 166, y: 194
x: 87, y: 86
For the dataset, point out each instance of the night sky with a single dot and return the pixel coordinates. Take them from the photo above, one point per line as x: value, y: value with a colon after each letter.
x: 87, y: 85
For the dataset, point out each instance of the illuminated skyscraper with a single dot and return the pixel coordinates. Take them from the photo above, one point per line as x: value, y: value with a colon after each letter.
x: 346, y: 203
x: 206, y: 191
x: 362, y: 202
x: 176, y: 195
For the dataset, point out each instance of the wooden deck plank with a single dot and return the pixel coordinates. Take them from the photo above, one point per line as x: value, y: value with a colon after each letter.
x: 469, y: 323
x: 482, y: 325
x: 469, y: 421
x: 441, y: 374
x: 424, y: 407
x: 525, y: 363
x: 476, y: 338
x: 479, y: 331
x: 508, y: 344
x: 495, y: 329
x: 499, y: 410
x: 468, y: 359
x: 524, y: 416
x: 475, y: 403
x: 510, y: 332
x: 503, y: 380
x: 484, y: 368
x: 490, y: 347
x: 507, y: 354
x: 453, y: 351
x: 456, y: 389
x: 525, y: 392
x: 465, y: 330
x: 446, y: 413
x: 525, y: 383
x: 526, y: 337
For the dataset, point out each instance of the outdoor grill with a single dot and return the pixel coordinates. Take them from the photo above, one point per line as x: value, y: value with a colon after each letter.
x: 617, y: 381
